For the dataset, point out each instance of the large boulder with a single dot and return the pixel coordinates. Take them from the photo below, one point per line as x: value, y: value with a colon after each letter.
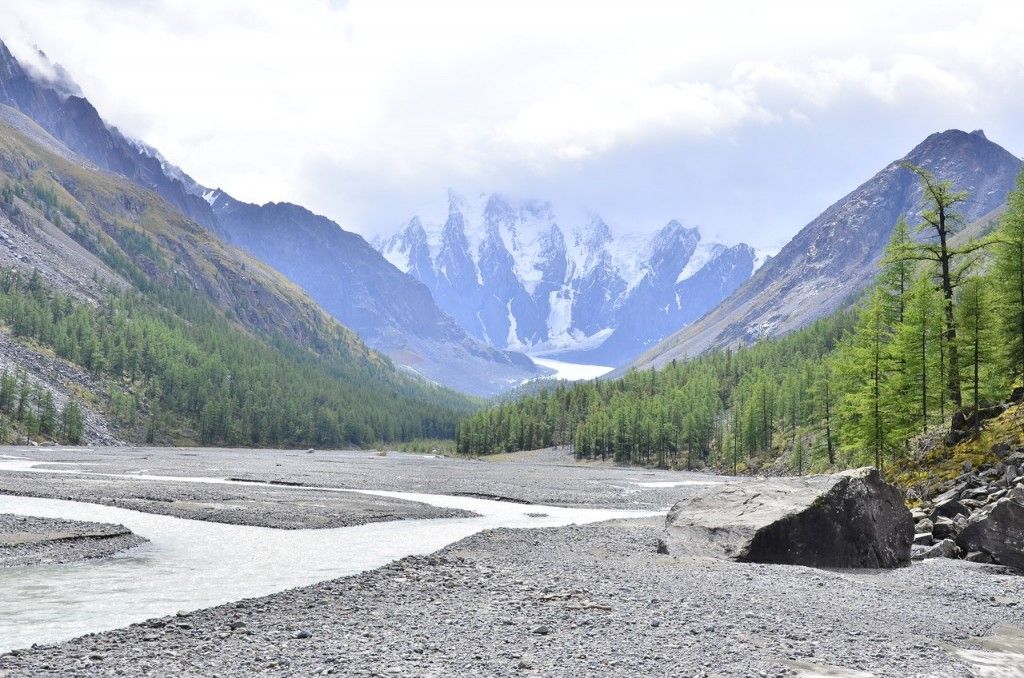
x: 847, y: 520
x: 997, y: 530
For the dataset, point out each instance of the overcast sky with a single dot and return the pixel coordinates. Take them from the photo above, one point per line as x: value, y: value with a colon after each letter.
x: 745, y: 118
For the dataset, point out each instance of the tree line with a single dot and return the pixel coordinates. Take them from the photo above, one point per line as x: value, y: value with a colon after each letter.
x: 942, y: 329
x: 212, y: 382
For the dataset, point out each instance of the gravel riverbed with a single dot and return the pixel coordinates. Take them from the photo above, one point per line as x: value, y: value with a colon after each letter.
x: 573, y: 601
x: 26, y: 540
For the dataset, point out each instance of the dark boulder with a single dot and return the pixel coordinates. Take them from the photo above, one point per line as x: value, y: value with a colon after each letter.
x: 997, y: 530
x: 948, y: 509
x: 847, y: 520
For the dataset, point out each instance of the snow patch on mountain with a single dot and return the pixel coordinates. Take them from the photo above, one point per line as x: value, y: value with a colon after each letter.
x: 514, y: 272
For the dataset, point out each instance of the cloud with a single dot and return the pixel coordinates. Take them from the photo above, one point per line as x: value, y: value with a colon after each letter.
x: 368, y: 110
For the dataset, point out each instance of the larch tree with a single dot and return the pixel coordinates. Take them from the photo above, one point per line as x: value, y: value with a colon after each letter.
x: 942, y: 220
x: 1008, y: 269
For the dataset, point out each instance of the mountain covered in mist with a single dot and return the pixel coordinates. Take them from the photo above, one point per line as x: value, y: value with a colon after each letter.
x: 392, y: 311
x: 516, y: 277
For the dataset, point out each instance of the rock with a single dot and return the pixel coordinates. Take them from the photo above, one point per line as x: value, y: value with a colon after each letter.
x: 924, y: 525
x: 944, y: 549
x: 944, y: 528
x: 997, y: 530
x: 967, y: 466
x: 1016, y: 494
x: 1009, y: 474
x: 948, y: 509
x: 923, y: 539
x: 978, y: 557
x: 302, y: 634
x: 235, y: 625
x: 540, y: 630
x: 849, y: 519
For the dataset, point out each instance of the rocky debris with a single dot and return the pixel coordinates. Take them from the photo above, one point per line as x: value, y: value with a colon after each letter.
x: 966, y: 422
x: 981, y: 512
x: 848, y: 520
x: 35, y: 541
x: 470, y: 610
x: 62, y: 379
x: 997, y: 531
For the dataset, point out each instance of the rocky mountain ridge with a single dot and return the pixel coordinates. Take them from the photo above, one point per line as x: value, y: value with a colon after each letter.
x: 392, y: 311
x: 836, y: 255
x: 516, y: 276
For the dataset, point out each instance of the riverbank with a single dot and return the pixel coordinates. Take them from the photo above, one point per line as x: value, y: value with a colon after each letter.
x: 573, y: 601
x: 568, y: 601
x: 27, y: 540
x: 525, y: 481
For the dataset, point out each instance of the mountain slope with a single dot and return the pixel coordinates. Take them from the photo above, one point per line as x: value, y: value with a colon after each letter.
x: 834, y: 257
x: 57, y: 105
x: 113, y: 297
x: 353, y: 282
x: 390, y: 310
x: 514, y: 277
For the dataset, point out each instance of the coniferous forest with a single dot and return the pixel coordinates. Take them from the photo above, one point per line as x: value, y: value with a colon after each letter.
x: 941, y: 330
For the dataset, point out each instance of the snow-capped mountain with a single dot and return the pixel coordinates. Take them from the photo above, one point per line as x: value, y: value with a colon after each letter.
x: 515, y: 277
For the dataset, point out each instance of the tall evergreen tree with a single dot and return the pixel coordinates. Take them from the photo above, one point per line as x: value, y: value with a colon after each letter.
x: 1008, y: 270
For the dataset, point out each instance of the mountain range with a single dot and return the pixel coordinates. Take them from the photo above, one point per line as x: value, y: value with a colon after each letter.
x: 517, y: 277
x: 391, y: 311
x: 836, y: 255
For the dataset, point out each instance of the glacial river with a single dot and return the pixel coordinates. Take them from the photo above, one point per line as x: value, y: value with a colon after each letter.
x: 192, y: 564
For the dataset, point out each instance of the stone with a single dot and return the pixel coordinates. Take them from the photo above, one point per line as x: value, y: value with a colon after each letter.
x: 1016, y: 494
x: 944, y: 528
x: 1009, y: 474
x: 997, y: 530
x: 967, y: 466
x: 948, y: 509
x: 978, y: 557
x: 944, y: 549
x: 852, y: 519
x: 302, y: 634
x: 541, y: 630
x: 924, y: 525
x: 923, y: 539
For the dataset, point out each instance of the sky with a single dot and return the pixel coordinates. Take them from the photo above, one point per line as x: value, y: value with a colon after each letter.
x: 746, y: 119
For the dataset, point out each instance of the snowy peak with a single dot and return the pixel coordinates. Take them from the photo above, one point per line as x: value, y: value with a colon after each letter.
x: 507, y: 272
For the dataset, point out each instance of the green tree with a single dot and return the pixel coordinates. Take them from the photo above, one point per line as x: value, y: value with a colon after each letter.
x: 1008, y: 269
x: 978, y: 337
x: 941, y: 217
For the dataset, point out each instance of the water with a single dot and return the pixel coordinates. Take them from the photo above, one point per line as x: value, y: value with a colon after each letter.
x: 192, y: 564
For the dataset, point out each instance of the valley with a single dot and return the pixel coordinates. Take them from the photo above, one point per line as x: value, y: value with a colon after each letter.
x: 605, y: 408
x: 501, y: 595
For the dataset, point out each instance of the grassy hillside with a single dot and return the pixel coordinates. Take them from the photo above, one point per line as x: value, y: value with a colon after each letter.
x: 197, y: 341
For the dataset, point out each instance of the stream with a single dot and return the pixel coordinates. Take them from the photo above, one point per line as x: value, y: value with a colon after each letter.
x: 193, y: 564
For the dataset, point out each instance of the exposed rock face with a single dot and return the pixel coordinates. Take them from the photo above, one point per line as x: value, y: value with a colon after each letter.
x: 997, y: 530
x: 389, y: 310
x: 850, y: 519
x: 836, y: 256
x: 516, y: 277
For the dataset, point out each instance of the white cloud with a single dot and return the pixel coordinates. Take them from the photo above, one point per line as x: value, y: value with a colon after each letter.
x: 367, y: 109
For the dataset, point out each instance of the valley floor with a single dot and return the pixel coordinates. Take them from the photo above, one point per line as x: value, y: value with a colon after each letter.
x: 578, y: 600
